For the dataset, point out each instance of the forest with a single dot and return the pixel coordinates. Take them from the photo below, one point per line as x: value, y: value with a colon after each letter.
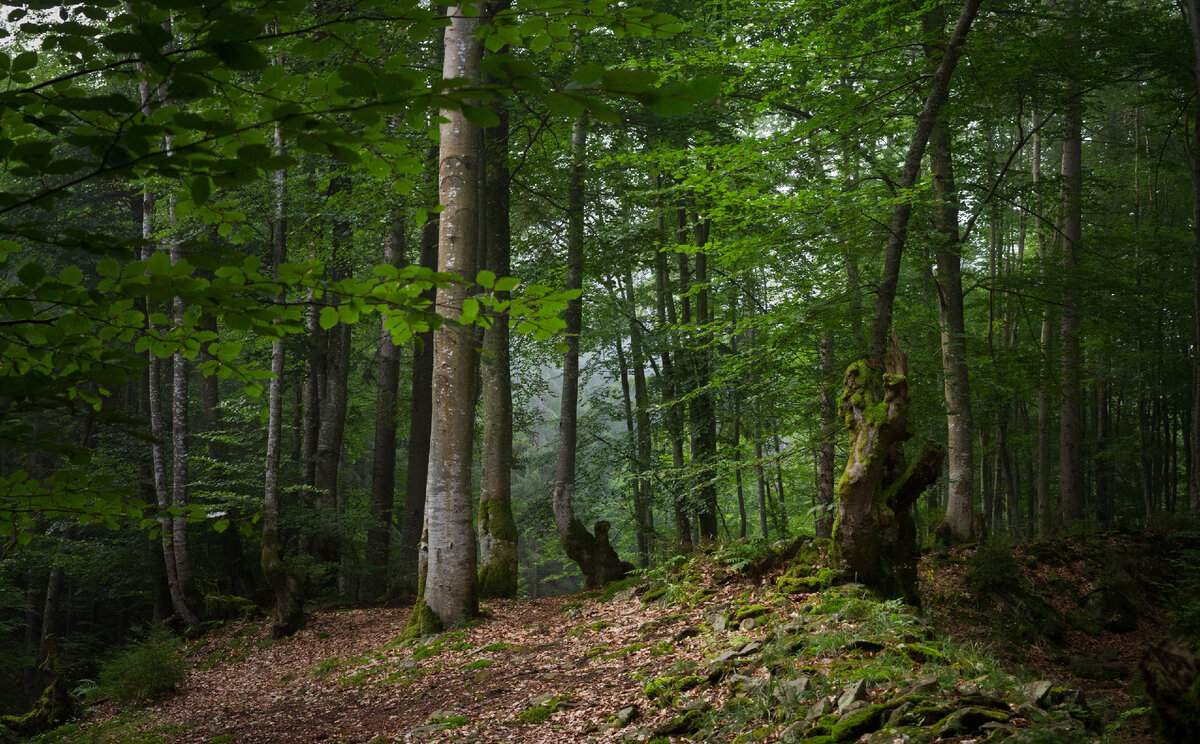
x: 318, y: 307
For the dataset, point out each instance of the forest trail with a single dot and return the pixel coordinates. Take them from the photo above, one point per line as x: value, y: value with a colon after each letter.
x: 709, y: 651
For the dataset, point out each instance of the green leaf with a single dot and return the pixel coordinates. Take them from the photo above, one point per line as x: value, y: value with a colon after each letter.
x: 31, y: 273
x: 328, y: 318
x: 201, y: 189
x: 507, y: 284
x: 220, y: 525
x: 480, y: 116
x: 71, y: 275
x: 470, y: 311
x: 485, y: 278
x: 239, y: 55
x: 24, y: 61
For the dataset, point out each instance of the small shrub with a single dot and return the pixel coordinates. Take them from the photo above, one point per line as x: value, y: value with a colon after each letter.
x: 993, y: 569
x: 144, y: 669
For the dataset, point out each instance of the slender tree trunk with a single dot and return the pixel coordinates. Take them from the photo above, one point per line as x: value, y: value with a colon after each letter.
x: 498, y: 570
x: 701, y: 408
x: 1070, y: 422
x: 666, y: 318
x: 327, y: 546
x: 387, y: 406
x: 1193, y: 21
x: 958, y: 526
x: 641, y: 398
x: 314, y: 389
x: 420, y: 414
x: 449, y: 592
x: 825, y: 451
x: 760, y: 478
x: 1045, y: 416
x: 285, y: 581
x: 592, y: 551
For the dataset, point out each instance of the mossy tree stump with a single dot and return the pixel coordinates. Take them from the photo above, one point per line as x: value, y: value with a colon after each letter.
x: 874, y: 537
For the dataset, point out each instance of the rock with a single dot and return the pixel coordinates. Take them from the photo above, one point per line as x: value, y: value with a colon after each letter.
x: 1035, y: 692
x: 442, y: 715
x: 853, y: 706
x: 863, y: 645
x: 748, y: 624
x: 1064, y: 696
x: 743, y: 684
x: 791, y: 689
x: 626, y: 716
x: 926, y: 685
x: 853, y: 693
x: 966, y: 689
x: 793, y: 733
x: 1031, y: 711
x: 966, y: 720
x: 1113, y: 609
x: 421, y: 732
x: 725, y: 656
x: 719, y: 621
x: 863, y: 721
x: 822, y: 707
x: 541, y: 700
x: 752, y: 647
x: 689, y: 722
x: 637, y: 733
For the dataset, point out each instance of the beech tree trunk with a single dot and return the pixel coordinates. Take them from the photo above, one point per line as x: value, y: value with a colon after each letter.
x: 383, y: 463
x: 496, y: 529
x: 958, y: 525
x: 420, y: 414
x: 593, y: 552
x: 449, y: 593
x: 1070, y: 417
x: 674, y: 413
x: 643, y: 515
x: 285, y: 582
x: 1193, y: 21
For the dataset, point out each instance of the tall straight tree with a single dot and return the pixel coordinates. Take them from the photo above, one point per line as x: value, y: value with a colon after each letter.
x: 448, y: 594
x: 1070, y: 412
x: 496, y: 528
x: 592, y: 552
x: 1192, y: 16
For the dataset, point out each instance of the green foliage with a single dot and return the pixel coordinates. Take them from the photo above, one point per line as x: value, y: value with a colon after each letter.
x: 143, y: 669
x: 1184, y: 602
x: 993, y: 568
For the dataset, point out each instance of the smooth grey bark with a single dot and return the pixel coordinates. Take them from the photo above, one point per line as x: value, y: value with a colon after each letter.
x: 449, y: 592
x: 1046, y: 341
x: 701, y: 409
x: 285, y: 582
x: 644, y: 516
x: 825, y: 450
x: 958, y: 525
x: 665, y: 308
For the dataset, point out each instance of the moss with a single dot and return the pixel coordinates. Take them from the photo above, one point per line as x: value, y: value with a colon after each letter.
x: 537, y: 714
x: 596, y: 652
x: 498, y: 576
x: 616, y: 587
x: 858, y: 723
x: 754, y: 610
x: 422, y: 622
x: 654, y: 594
x: 823, y: 579
x: 478, y: 664
x: 926, y: 715
x: 922, y: 654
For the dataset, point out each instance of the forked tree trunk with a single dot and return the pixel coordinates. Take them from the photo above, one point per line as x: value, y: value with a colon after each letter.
x: 593, y: 552
x: 874, y: 537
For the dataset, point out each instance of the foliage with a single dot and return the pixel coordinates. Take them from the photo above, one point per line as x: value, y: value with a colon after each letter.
x: 143, y: 669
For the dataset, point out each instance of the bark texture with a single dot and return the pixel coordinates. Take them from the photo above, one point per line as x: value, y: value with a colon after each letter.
x: 449, y: 590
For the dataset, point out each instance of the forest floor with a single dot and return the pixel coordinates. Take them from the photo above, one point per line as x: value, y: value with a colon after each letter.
x: 744, y: 650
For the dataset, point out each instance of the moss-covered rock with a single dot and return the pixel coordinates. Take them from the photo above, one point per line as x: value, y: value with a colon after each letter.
x: 860, y: 722
x: 688, y: 722
x: 966, y: 720
x: 922, y: 654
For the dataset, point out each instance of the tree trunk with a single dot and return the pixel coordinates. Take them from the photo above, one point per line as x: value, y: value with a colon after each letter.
x: 327, y: 545
x: 1193, y: 21
x: 285, y: 582
x: 592, y: 551
x: 958, y: 525
x: 700, y: 408
x: 420, y: 413
x: 673, y: 416
x: 449, y: 593
x: 641, y: 398
x: 825, y: 451
x: 497, y: 531
x: 1070, y: 421
x: 874, y: 536
x: 383, y: 463
x: 1045, y: 499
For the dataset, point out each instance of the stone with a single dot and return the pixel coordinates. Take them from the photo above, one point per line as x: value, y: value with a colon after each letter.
x: 719, y: 621
x: 791, y: 689
x: 421, y: 732
x: 971, y: 718
x: 442, y: 715
x: 1031, y: 711
x: 752, y: 647
x: 688, y: 632
x: 853, y: 693
x: 852, y: 707
x: 626, y: 716
x: 926, y: 685
x: 1090, y: 667
x: 793, y: 733
x: 1035, y: 692
x: 541, y: 700
x: 748, y: 624
x: 822, y: 707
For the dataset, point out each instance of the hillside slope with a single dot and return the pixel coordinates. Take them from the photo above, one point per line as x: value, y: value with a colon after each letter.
x: 767, y: 652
